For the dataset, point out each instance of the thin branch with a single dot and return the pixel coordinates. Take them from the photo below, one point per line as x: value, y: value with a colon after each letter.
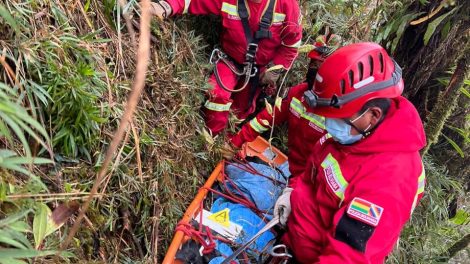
x: 143, y: 56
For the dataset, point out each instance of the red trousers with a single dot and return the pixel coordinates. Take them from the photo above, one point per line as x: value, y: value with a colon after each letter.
x: 219, y: 102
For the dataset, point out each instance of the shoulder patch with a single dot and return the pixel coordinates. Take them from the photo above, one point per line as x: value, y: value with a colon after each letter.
x: 353, y: 232
x: 365, y: 211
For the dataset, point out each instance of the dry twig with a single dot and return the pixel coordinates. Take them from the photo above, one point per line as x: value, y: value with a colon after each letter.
x: 143, y: 55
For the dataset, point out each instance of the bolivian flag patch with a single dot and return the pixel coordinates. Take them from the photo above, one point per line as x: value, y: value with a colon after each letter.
x: 365, y: 211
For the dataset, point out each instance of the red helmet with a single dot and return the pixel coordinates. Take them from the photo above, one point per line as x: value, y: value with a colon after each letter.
x: 351, y: 76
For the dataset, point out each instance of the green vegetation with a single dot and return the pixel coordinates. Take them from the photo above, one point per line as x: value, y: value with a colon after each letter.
x: 67, y: 67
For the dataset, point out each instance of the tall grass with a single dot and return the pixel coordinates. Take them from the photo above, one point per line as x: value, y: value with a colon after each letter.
x: 71, y: 65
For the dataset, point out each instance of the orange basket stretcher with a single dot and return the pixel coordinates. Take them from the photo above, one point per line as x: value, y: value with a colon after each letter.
x: 258, y: 148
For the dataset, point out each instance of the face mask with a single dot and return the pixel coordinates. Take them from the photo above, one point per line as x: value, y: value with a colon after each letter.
x: 341, y: 131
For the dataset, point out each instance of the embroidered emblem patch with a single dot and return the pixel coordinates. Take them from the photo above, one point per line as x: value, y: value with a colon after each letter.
x: 365, y: 211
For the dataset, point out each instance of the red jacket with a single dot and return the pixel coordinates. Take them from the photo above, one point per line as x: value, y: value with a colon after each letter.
x: 305, y: 128
x: 352, y: 201
x: 286, y: 29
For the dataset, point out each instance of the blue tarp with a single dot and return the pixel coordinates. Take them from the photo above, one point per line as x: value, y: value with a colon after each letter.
x: 262, y: 191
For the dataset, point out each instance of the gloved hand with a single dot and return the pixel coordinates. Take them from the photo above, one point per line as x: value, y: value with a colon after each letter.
x: 271, y: 75
x: 161, y: 9
x: 282, y: 207
x: 228, y: 151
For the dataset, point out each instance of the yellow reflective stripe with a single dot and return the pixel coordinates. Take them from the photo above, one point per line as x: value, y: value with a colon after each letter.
x: 257, y: 126
x: 217, y: 107
x: 278, y: 17
x: 317, y: 120
x: 421, y: 184
x: 186, y: 6
x: 229, y: 9
x: 298, y: 107
x: 334, y: 175
x: 421, y: 181
x: 295, y: 45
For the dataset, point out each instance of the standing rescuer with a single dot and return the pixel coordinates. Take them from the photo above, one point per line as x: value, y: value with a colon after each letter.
x: 259, y: 41
x: 364, y: 177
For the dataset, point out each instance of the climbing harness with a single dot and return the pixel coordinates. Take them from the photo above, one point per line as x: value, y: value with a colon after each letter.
x: 249, y: 70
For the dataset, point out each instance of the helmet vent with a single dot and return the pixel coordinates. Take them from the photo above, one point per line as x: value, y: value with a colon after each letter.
x: 360, y: 66
x: 351, y: 78
x: 371, y: 64
x: 381, y: 60
x: 342, y: 85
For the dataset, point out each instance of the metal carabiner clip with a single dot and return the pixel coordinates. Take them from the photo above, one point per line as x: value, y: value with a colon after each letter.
x: 284, y: 254
x: 213, y: 55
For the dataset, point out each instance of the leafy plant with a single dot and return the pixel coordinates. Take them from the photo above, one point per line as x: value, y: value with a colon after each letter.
x: 61, y: 75
x: 430, y: 231
x: 14, y: 118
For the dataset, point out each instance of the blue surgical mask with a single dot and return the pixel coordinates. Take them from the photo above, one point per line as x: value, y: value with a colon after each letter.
x: 341, y: 131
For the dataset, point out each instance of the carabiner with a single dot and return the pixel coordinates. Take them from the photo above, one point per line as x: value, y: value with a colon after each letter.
x: 214, y: 52
x: 283, y: 254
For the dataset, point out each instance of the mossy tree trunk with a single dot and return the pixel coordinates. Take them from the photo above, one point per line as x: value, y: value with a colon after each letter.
x: 446, y: 103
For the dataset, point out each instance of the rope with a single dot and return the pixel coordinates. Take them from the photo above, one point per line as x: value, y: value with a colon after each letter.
x: 198, y: 235
x: 204, y: 235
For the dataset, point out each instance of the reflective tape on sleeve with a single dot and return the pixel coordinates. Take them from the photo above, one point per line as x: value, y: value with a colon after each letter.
x: 257, y: 126
x: 229, y: 9
x: 217, y: 107
x: 334, y: 176
x: 278, y: 17
x: 420, y: 190
x: 299, y: 108
x: 315, y: 119
x: 421, y: 181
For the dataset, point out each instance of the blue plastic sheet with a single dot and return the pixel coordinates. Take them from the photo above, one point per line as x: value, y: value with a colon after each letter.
x: 262, y: 191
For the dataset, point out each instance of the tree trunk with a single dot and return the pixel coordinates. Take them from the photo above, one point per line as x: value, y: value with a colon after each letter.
x: 446, y: 103
x: 455, y: 248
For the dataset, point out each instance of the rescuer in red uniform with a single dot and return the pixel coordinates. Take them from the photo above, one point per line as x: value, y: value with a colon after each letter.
x: 364, y: 178
x: 259, y: 41
x: 304, y: 127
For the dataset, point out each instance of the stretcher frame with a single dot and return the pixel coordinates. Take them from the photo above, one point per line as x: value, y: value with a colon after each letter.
x: 258, y: 148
